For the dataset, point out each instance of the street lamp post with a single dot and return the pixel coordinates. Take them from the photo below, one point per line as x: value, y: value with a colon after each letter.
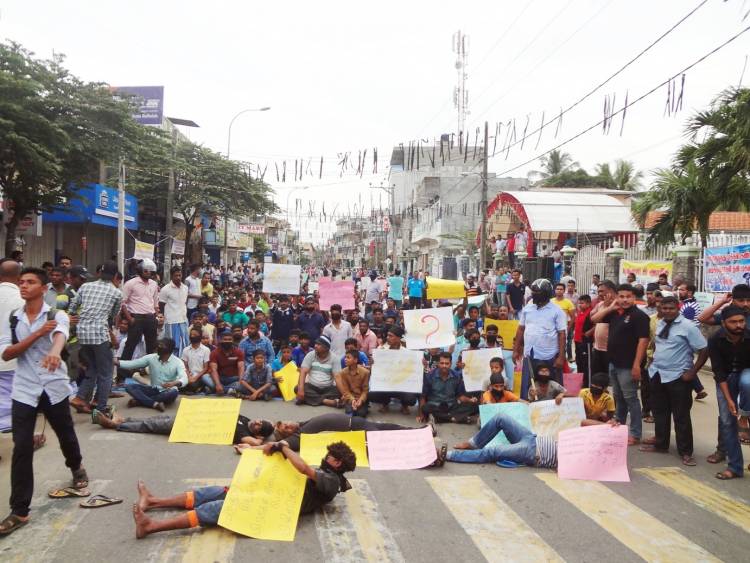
x: 287, y: 210
x: 229, y: 148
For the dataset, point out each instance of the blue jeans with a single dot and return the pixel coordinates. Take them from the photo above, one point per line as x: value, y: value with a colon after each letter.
x: 625, y: 392
x: 227, y: 382
x: 207, y: 504
x: 729, y: 439
x: 743, y: 403
x: 148, y: 396
x: 99, y: 364
x: 522, y: 447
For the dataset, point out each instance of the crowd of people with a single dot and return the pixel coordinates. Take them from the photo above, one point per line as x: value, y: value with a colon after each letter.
x: 73, y: 339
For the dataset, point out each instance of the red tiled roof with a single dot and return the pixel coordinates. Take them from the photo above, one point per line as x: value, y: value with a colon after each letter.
x: 733, y: 221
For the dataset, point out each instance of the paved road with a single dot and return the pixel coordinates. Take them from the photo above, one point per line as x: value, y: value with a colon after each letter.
x: 460, y: 513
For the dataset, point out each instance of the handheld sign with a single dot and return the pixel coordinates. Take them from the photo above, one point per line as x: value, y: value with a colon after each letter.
x: 289, y: 376
x: 429, y: 328
x: 596, y: 453
x: 548, y: 418
x: 445, y: 289
x: 506, y: 331
x: 397, y: 371
x: 477, y: 367
x: 313, y: 447
x: 336, y: 293
x: 401, y: 449
x: 206, y: 421
x: 281, y: 278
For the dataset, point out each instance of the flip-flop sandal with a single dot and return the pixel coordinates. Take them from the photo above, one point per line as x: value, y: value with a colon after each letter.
x: 726, y: 475
x: 67, y: 492
x: 507, y: 464
x: 689, y: 461
x: 80, y: 479
x: 11, y: 524
x: 441, y: 457
x: 98, y: 501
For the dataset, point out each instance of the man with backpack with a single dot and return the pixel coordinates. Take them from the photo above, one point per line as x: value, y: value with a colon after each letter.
x: 40, y: 385
x: 96, y: 304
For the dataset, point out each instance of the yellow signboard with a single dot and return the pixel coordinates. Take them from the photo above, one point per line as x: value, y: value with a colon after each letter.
x: 506, y: 330
x: 313, y: 446
x: 264, y: 499
x: 445, y: 289
x: 287, y: 379
x: 206, y: 421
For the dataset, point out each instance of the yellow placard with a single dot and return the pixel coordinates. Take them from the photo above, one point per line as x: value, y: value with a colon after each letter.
x: 206, y: 421
x: 289, y: 376
x: 264, y: 498
x: 645, y: 271
x: 505, y: 330
x: 517, y: 380
x: 313, y: 446
x: 445, y: 289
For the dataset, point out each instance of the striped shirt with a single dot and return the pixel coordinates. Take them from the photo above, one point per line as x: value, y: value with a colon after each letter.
x: 97, y: 303
x: 546, y: 452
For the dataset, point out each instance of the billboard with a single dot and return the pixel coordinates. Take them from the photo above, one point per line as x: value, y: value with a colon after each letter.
x: 725, y: 267
x: 150, y: 100
x: 97, y: 204
x: 645, y: 271
x: 252, y: 229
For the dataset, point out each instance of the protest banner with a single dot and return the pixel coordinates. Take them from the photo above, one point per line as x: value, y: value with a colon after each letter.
x: 475, y: 301
x: 506, y: 331
x: 206, y: 421
x: 517, y: 411
x: 725, y: 267
x: 572, y: 383
x: 287, y: 379
x: 312, y: 287
x: 429, y: 328
x: 336, y: 293
x: 548, y: 418
x: 445, y: 289
x: 143, y: 250
x: 645, y: 271
x: 178, y: 247
x: 397, y: 371
x: 596, y: 453
x: 477, y: 367
x: 281, y: 278
x: 703, y: 299
x: 264, y: 498
x: 401, y: 449
x: 313, y: 447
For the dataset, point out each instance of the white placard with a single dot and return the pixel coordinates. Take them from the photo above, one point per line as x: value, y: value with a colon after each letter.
x: 178, y: 247
x: 477, y: 367
x: 548, y: 418
x: 397, y: 370
x: 429, y: 328
x: 281, y: 278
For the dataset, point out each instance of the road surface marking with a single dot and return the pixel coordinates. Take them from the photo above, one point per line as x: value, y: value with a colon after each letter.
x: 205, y: 545
x: 351, y: 528
x: 492, y: 525
x: 633, y: 527
x: 53, y: 523
x: 720, y: 503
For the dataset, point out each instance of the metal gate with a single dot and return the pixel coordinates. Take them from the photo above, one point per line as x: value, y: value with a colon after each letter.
x: 588, y: 261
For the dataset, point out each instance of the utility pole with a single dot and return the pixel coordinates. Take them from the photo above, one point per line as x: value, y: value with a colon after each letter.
x: 121, y: 216
x: 170, y: 207
x: 483, y: 232
x: 460, y: 94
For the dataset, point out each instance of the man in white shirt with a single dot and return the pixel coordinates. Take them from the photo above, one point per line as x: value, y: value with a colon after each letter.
x: 338, y: 331
x: 196, y: 358
x: 10, y: 300
x: 193, y: 283
x: 173, y: 304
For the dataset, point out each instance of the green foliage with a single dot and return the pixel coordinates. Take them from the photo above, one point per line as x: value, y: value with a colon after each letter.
x: 572, y: 179
x: 554, y: 163
x: 465, y: 240
x: 259, y: 248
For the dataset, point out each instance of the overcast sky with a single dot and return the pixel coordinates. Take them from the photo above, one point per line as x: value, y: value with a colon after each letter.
x: 349, y: 76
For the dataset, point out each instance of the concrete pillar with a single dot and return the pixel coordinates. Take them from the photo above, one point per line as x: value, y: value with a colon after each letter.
x: 612, y: 258
x: 685, y: 257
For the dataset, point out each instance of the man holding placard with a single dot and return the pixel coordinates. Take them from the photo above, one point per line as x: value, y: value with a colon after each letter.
x: 393, y: 342
x: 204, y: 505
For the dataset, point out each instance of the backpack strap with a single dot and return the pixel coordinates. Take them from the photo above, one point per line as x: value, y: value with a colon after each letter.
x: 13, y: 320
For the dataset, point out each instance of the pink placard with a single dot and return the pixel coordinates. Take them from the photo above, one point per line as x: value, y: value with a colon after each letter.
x: 594, y: 453
x: 572, y: 383
x: 336, y: 292
x: 400, y: 449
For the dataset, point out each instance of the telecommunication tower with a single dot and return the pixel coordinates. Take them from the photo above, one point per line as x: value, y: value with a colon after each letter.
x: 460, y: 93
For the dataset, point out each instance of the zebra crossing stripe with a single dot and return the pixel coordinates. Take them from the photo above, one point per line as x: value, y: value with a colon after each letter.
x: 53, y: 523
x: 211, y: 544
x: 636, y: 529
x: 351, y: 528
x: 491, y: 524
x: 715, y: 501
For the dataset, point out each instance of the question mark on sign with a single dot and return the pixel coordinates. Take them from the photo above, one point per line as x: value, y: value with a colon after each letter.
x: 437, y: 326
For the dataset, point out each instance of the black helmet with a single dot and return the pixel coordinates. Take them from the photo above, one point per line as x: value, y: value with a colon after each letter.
x: 542, y: 290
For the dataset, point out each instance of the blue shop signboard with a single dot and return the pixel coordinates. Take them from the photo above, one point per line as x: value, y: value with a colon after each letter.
x: 95, y: 204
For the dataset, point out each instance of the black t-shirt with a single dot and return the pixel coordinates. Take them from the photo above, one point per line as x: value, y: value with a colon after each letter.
x: 242, y: 430
x: 625, y: 329
x: 516, y: 294
x: 331, y: 422
x: 320, y: 492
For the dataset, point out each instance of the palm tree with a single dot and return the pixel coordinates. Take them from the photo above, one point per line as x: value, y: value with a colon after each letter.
x: 626, y: 177
x: 553, y: 163
x: 685, y: 198
x: 603, y: 175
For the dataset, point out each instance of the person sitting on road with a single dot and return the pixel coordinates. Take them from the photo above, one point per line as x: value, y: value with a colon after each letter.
x: 257, y: 383
x: 204, y: 505
x: 597, y: 402
x: 543, y: 387
x: 353, y: 344
x: 226, y: 364
x: 196, y: 358
x: 496, y: 392
x: 444, y: 397
x: 354, y: 380
x: 317, y: 377
x: 167, y: 373
x: 524, y: 447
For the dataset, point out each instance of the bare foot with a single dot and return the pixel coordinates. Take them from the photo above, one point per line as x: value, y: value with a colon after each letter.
x: 144, y: 497
x: 142, y: 522
x: 463, y: 446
